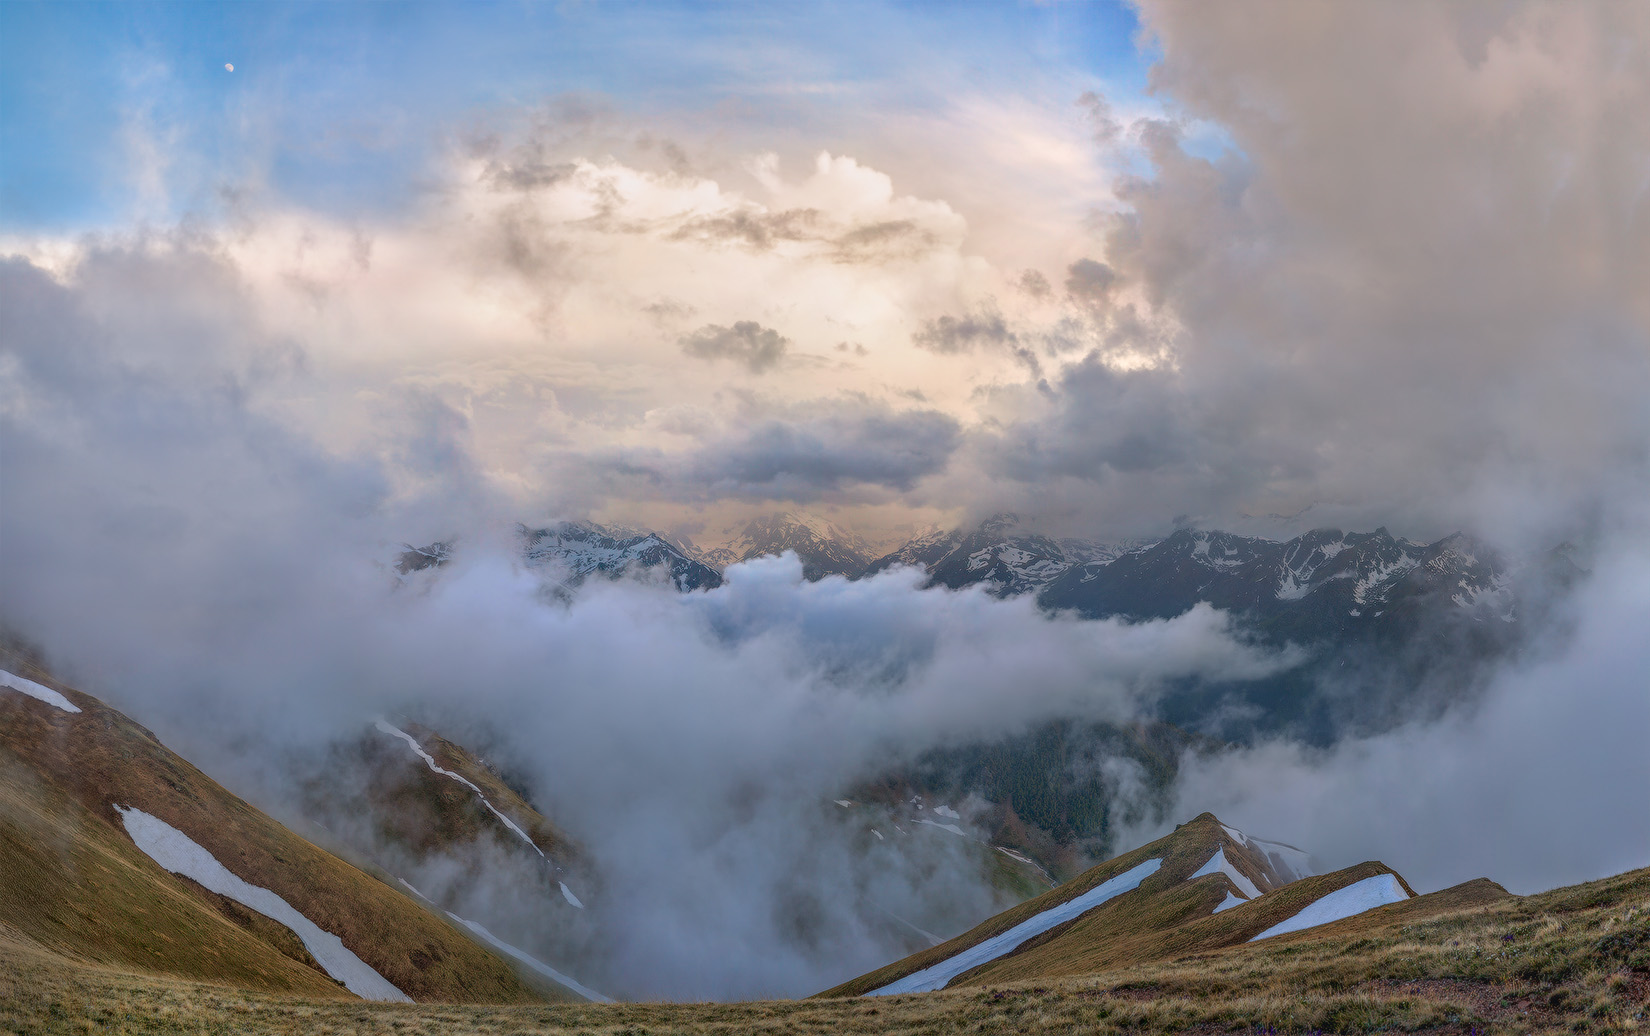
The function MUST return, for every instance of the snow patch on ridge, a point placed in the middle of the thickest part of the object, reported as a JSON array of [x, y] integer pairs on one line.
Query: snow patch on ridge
[[178, 853], [532, 962], [936, 976], [1229, 902], [1219, 864], [429, 761], [1291, 863], [1350, 901], [567, 894], [38, 691]]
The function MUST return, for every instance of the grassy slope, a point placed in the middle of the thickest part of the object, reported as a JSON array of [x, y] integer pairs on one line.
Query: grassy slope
[[1167, 916], [455, 757], [99, 756], [1163, 847], [75, 885], [1174, 922], [1571, 960]]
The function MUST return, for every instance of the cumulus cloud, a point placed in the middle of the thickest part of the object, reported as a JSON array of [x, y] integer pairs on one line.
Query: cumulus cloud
[[758, 348], [1404, 291]]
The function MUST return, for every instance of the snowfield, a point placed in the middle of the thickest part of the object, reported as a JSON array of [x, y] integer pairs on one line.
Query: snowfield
[[936, 976], [180, 854], [34, 690], [533, 962], [1356, 898]]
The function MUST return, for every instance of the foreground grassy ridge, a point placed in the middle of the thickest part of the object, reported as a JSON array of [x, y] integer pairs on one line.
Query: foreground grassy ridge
[[1181, 852], [1167, 916], [1572, 960], [1161, 925], [99, 757], [76, 885]]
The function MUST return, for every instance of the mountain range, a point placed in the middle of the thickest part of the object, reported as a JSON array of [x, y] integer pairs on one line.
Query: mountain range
[[1323, 583]]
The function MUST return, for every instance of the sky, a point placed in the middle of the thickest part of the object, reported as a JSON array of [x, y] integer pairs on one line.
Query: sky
[[896, 265], [419, 272]]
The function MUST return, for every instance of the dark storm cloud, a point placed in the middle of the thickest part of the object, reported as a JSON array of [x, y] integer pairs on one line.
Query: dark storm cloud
[[1409, 287], [758, 348]]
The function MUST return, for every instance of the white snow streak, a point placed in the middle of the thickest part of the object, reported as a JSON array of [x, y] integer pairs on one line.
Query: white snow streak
[[180, 854], [1347, 902], [429, 761], [1288, 861], [936, 976], [1219, 864], [1229, 902], [532, 962], [34, 690], [567, 894]]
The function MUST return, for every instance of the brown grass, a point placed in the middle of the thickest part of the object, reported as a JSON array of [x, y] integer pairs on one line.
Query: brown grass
[[455, 757], [1160, 924], [1575, 960], [99, 757], [71, 883], [1166, 916]]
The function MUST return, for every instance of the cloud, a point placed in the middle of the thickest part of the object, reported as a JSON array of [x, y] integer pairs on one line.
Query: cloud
[[759, 230], [1386, 289], [983, 331], [808, 457], [758, 348], [1089, 282], [952, 335]]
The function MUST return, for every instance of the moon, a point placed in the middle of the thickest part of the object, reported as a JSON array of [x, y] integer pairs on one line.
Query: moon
[[227, 67]]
